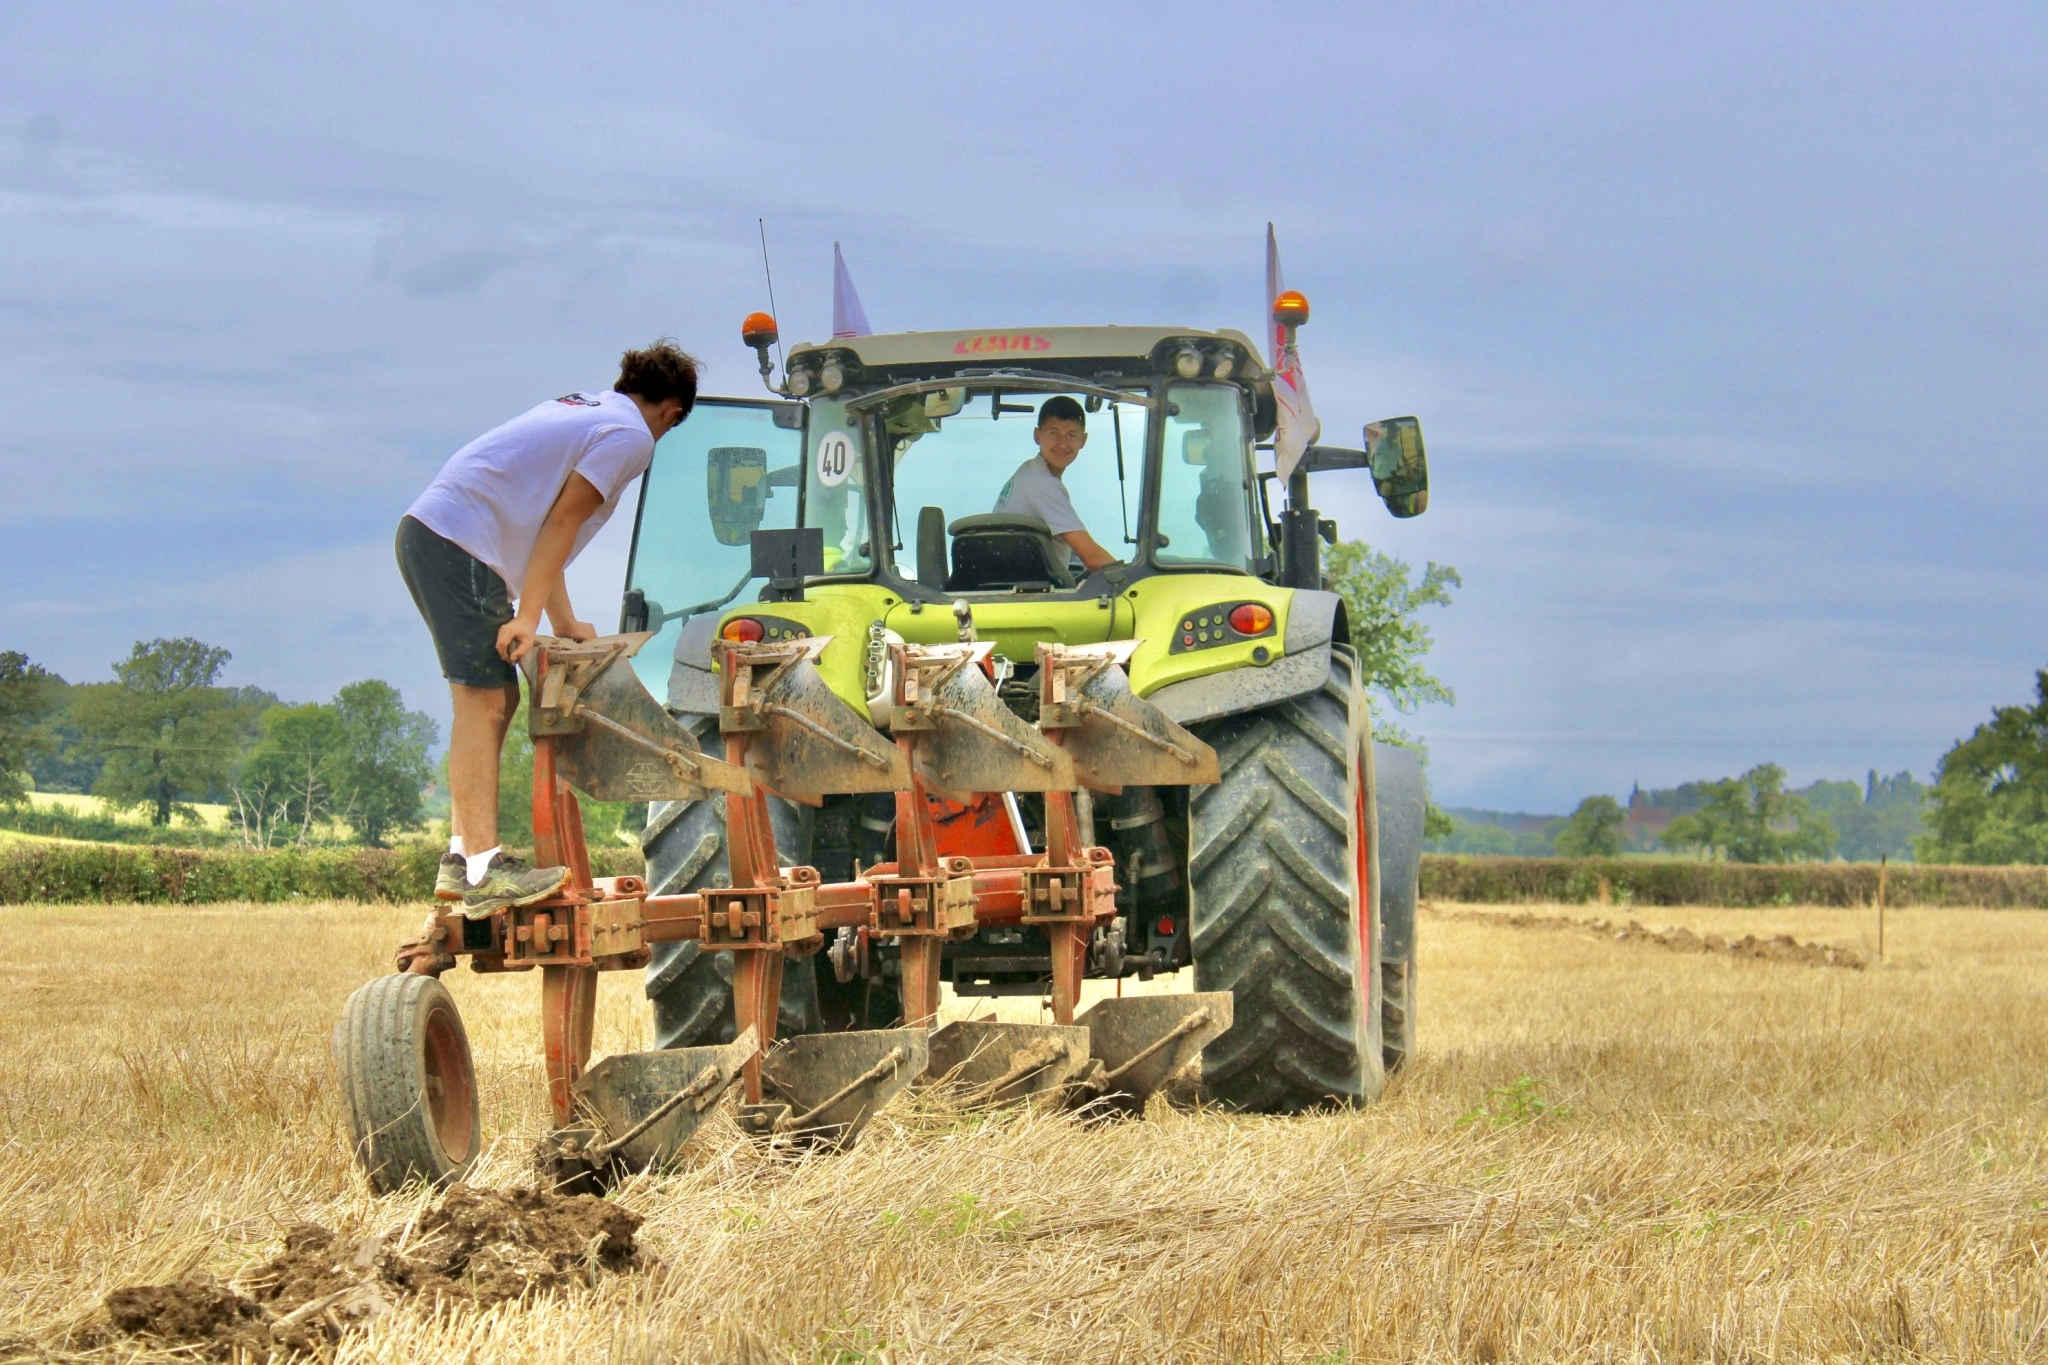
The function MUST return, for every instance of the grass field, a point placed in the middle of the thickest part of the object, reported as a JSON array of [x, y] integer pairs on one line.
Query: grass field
[[1605, 1151], [211, 816]]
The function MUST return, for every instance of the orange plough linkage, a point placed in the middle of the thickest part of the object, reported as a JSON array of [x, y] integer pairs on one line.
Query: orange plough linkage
[[785, 733]]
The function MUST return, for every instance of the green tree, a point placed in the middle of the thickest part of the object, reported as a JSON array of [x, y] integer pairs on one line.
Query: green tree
[[1879, 817], [1989, 801], [1594, 830], [27, 693], [1381, 606], [384, 759], [1382, 603], [168, 732], [292, 779], [64, 762], [515, 784], [1752, 819]]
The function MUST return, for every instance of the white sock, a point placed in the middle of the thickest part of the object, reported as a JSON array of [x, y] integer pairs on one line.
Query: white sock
[[455, 847], [479, 863]]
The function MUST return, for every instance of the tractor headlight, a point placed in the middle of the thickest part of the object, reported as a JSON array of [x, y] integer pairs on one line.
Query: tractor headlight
[[1187, 362], [799, 382], [832, 376], [1226, 364]]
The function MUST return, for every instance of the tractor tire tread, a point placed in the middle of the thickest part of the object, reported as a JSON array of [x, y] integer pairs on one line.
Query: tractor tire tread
[[1273, 922]]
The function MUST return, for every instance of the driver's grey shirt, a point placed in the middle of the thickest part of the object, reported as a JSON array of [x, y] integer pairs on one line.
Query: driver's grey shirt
[[1035, 491]]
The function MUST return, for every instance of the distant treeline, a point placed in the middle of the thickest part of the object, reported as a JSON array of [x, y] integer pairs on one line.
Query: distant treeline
[[165, 735], [1987, 805], [1856, 822]]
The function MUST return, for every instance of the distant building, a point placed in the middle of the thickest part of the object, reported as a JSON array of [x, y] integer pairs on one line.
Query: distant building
[[1644, 824]]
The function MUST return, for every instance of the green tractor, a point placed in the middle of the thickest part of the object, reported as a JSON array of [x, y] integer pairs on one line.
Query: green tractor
[[865, 494]]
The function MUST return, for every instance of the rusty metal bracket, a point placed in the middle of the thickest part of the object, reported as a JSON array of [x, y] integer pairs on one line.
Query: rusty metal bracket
[[828, 1085], [1066, 895], [801, 740], [742, 917], [642, 1107], [941, 906], [982, 1061], [612, 740], [1139, 1042], [963, 738], [1116, 739]]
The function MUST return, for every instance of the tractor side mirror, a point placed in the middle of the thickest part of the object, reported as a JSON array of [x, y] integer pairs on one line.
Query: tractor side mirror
[[1400, 468], [736, 491]]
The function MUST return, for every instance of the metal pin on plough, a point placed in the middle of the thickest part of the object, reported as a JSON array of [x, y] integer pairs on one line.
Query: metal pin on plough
[[597, 730]]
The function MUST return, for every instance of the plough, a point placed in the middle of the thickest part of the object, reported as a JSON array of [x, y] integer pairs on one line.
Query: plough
[[404, 1055]]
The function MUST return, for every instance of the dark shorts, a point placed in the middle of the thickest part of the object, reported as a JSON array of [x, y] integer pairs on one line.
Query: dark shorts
[[463, 602]]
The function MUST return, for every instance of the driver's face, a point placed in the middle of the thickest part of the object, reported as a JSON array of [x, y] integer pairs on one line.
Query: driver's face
[[1059, 441]]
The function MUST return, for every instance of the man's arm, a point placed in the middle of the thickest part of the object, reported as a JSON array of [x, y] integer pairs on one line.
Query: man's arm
[[544, 586], [1092, 555]]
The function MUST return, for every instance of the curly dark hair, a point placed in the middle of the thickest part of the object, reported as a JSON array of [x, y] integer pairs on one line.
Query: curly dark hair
[[658, 373]]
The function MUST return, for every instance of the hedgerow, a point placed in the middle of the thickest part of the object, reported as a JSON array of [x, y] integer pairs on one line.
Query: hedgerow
[[80, 872], [1684, 882], [115, 873]]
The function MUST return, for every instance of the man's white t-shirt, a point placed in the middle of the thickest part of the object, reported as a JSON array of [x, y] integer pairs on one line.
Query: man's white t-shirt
[[1035, 491], [494, 493]]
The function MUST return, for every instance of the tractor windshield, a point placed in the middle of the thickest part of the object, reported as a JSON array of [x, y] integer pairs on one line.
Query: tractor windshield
[[975, 456], [728, 471], [1206, 486]]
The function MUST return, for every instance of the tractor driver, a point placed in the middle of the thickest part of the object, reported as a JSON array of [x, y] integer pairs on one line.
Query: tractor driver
[[1036, 490], [505, 515]]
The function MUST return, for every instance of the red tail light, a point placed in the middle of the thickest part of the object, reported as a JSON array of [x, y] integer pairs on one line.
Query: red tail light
[[1251, 619], [742, 630]]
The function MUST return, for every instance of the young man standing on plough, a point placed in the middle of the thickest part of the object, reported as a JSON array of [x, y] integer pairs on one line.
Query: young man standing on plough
[[501, 520]]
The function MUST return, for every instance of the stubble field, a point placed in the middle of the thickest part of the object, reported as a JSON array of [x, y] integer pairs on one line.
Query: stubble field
[[1607, 1149]]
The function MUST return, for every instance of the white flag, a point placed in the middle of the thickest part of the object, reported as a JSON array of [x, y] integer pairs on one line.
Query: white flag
[[1299, 427], [849, 319]]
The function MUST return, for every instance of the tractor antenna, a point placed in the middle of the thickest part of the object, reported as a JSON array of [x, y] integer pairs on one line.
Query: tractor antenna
[[762, 224]]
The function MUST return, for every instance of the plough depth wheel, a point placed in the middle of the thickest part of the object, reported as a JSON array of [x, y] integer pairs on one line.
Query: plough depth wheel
[[408, 1086]]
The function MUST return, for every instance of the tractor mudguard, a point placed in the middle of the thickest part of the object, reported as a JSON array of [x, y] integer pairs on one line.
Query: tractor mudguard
[[692, 686], [1313, 623], [1401, 799]]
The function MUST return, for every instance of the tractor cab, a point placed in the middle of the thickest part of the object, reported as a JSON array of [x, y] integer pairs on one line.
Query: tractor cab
[[885, 461]]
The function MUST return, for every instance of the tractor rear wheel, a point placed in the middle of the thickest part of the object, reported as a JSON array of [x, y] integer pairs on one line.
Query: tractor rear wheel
[[692, 989], [408, 1085], [1283, 901]]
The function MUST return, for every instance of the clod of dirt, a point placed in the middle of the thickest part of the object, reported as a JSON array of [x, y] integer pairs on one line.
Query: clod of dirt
[[199, 1310], [1778, 948], [492, 1245], [475, 1246]]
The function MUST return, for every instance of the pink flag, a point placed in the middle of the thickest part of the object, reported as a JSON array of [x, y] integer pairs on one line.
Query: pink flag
[[1298, 426], [849, 319]]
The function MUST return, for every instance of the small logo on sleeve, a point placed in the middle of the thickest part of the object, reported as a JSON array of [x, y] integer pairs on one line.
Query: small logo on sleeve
[[580, 400]]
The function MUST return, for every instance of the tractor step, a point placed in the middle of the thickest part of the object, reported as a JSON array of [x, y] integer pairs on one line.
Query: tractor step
[[981, 1062], [1137, 1043], [826, 1086]]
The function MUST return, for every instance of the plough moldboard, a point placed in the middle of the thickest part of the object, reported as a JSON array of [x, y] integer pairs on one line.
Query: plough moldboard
[[596, 728]]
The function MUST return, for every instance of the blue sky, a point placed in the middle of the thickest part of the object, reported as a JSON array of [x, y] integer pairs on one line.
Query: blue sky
[[1725, 323]]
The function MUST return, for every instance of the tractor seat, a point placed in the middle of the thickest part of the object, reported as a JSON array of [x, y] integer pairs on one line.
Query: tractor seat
[[997, 550]]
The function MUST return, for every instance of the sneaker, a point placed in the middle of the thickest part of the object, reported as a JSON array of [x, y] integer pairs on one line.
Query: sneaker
[[451, 879], [507, 882]]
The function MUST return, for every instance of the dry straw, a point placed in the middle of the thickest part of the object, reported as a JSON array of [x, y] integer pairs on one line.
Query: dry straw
[[1600, 1154]]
